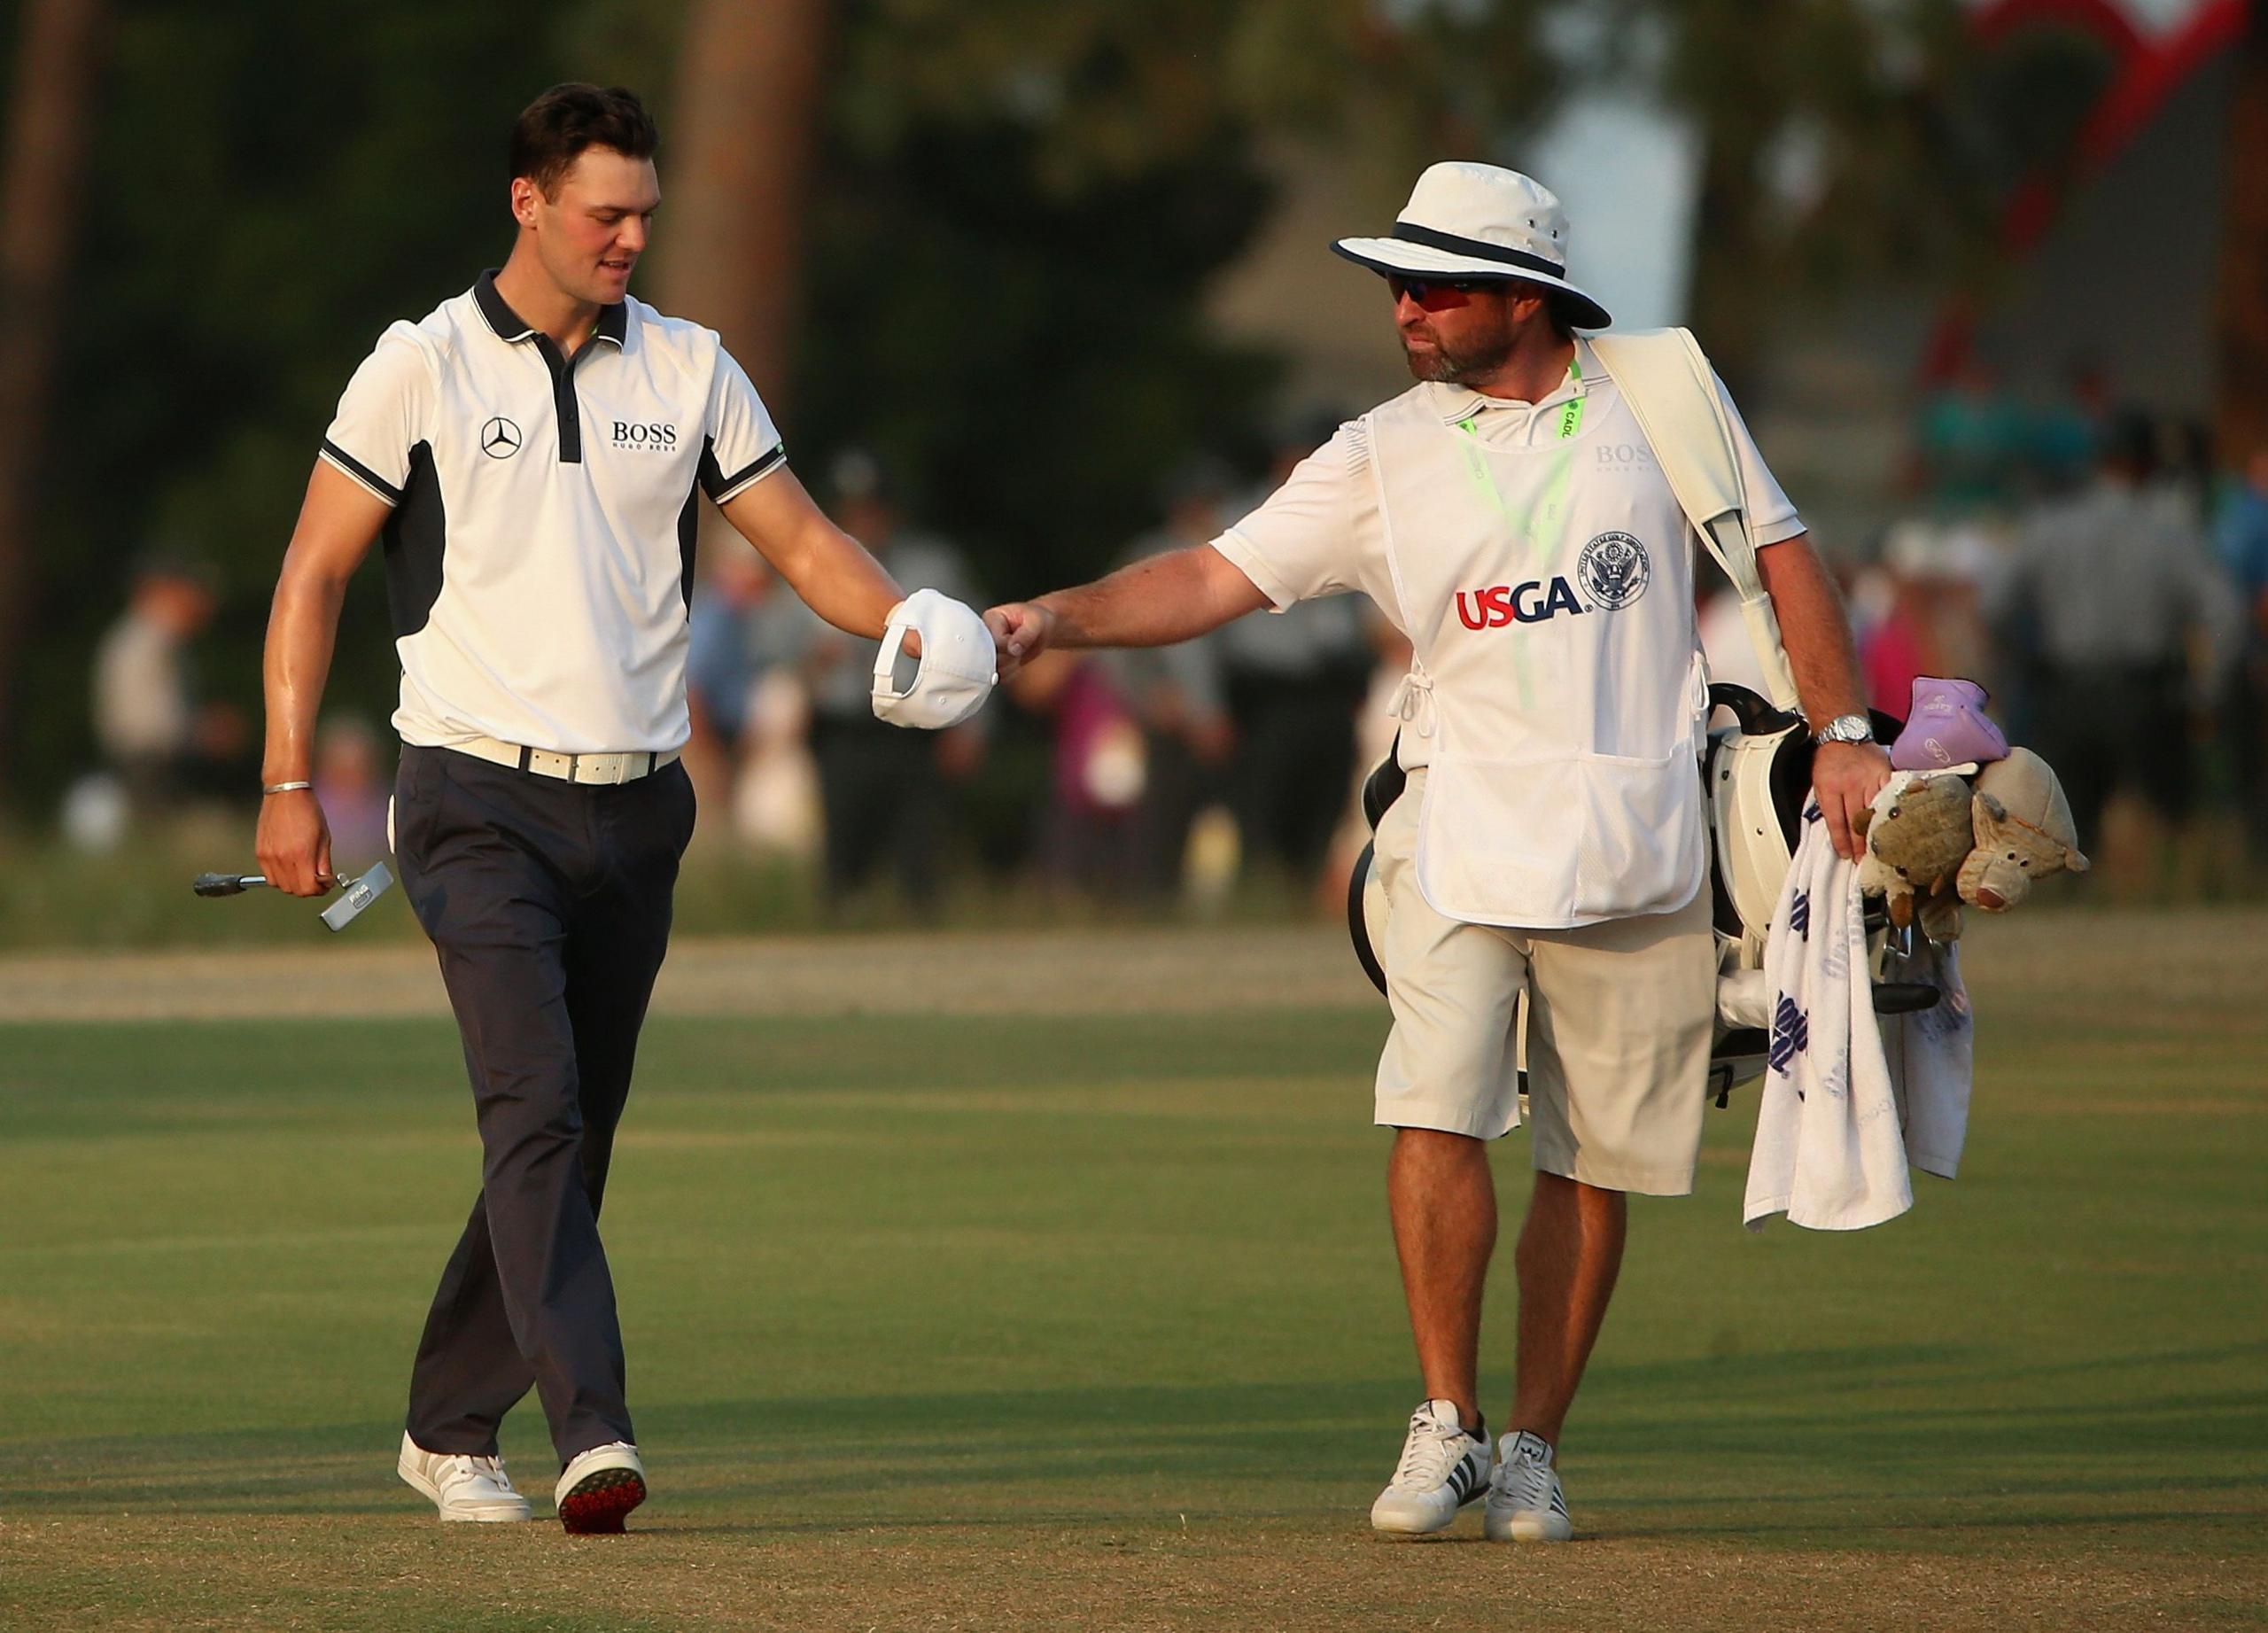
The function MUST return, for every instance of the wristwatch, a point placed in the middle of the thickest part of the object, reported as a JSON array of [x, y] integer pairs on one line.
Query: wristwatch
[[1845, 729]]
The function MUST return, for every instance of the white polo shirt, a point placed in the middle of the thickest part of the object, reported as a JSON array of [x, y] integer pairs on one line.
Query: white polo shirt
[[540, 555], [1320, 533]]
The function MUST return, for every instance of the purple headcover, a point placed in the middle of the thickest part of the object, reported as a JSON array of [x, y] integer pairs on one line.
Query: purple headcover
[[1947, 726]]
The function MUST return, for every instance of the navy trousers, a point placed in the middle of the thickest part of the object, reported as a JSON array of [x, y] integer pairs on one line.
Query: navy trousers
[[548, 903]]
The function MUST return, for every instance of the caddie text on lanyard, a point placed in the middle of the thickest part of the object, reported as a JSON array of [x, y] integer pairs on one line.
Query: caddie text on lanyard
[[1549, 597]]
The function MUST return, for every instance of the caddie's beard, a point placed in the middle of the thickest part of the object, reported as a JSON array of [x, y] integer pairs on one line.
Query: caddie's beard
[[1472, 364]]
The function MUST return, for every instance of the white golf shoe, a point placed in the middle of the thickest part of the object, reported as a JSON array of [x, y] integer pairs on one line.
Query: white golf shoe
[[461, 1488], [1525, 1502], [1444, 1466], [598, 1487]]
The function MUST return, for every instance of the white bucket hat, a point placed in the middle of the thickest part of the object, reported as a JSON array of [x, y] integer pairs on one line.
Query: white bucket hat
[[953, 676], [1468, 221]]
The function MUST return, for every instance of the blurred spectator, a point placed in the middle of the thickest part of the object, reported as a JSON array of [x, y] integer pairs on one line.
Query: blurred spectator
[[2067, 435], [1968, 439], [2182, 471], [2117, 589], [1900, 644], [1923, 597], [886, 794], [748, 754], [1376, 726], [1293, 681], [1098, 772], [1177, 693], [353, 789], [148, 722], [725, 660], [2244, 539]]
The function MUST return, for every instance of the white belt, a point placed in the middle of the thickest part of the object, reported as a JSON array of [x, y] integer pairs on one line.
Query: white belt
[[568, 768]]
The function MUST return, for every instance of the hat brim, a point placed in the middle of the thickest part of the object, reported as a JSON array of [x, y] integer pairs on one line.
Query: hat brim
[[1410, 259]]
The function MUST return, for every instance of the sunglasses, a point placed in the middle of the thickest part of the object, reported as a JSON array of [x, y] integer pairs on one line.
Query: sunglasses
[[1422, 289]]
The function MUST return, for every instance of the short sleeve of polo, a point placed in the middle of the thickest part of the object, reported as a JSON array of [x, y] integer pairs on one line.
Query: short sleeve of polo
[[1306, 538], [1772, 518], [383, 414], [744, 446]]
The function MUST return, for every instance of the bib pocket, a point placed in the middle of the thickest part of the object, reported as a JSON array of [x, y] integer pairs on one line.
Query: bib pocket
[[1549, 843], [1643, 836]]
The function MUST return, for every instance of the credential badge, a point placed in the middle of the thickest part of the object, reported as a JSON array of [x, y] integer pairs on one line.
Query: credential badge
[[1615, 569]]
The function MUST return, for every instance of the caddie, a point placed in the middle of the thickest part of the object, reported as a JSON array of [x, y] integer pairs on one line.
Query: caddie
[[533, 452], [1508, 515]]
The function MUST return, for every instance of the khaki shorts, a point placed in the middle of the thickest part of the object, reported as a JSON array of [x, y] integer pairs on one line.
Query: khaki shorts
[[1619, 1023]]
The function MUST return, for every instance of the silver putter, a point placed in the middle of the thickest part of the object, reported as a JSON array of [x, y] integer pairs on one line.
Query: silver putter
[[358, 893]]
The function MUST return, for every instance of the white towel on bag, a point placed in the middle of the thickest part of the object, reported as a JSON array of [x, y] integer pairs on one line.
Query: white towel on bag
[[1830, 1151]]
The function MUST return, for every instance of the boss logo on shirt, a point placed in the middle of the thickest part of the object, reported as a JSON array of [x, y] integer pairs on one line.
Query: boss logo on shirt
[[644, 434], [1531, 602], [1625, 457]]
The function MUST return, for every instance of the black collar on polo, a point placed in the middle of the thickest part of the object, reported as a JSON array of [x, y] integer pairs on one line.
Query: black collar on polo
[[1480, 249], [613, 323], [509, 326]]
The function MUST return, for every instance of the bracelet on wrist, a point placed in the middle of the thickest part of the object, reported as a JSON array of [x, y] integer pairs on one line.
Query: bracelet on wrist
[[266, 788]]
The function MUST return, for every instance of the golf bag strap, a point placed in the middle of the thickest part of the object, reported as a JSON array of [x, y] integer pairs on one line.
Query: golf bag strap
[[1673, 394]]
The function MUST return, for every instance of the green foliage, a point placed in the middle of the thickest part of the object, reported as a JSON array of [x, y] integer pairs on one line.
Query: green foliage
[[268, 187], [1022, 203]]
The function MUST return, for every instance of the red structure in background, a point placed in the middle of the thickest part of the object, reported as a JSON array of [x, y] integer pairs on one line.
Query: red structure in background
[[2150, 68]]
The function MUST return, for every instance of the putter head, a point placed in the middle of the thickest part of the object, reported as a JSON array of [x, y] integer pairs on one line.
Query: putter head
[[360, 894]]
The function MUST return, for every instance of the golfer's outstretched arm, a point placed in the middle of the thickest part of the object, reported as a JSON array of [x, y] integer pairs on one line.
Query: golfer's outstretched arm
[[338, 520], [1155, 603], [826, 566]]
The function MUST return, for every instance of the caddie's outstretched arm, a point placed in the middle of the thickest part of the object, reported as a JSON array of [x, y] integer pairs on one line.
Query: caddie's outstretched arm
[[339, 521], [826, 567], [1153, 602], [1816, 632]]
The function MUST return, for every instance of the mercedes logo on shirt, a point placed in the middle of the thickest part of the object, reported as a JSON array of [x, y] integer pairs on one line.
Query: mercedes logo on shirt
[[500, 438]]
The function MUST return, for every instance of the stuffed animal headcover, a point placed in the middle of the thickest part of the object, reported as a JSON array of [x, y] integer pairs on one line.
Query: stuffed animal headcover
[[2024, 832], [1918, 834]]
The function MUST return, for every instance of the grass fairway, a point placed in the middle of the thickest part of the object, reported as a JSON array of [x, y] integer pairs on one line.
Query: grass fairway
[[1087, 1318]]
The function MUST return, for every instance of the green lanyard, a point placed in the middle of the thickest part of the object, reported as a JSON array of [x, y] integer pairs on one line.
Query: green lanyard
[[1571, 415]]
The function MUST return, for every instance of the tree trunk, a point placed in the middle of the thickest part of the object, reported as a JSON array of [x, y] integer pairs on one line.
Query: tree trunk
[[2243, 414], [56, 60], [736, 171], [1730, 86]]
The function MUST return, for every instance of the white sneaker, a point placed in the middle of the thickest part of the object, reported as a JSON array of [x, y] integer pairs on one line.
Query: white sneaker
[[1444, 1466], [1525, 1502], [598, 1487], [461, 1488]]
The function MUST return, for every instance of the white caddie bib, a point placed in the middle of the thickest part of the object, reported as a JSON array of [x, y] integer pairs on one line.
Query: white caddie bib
[[1549, 593]]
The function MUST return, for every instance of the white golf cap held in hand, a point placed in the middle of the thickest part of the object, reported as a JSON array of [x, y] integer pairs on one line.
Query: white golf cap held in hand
[[953, 676]]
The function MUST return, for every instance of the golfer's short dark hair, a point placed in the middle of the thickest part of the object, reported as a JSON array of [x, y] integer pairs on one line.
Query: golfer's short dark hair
[[553, 130]]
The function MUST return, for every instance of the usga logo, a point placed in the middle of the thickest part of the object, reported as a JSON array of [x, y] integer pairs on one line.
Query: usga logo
[[640, 434], [1531, 602]]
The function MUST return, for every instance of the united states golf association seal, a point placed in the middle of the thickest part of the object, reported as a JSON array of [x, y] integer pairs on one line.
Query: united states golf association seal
[[1615, 569]]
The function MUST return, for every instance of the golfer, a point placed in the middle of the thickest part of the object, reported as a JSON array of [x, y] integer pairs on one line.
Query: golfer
[[532, 453], [1509, 517]]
